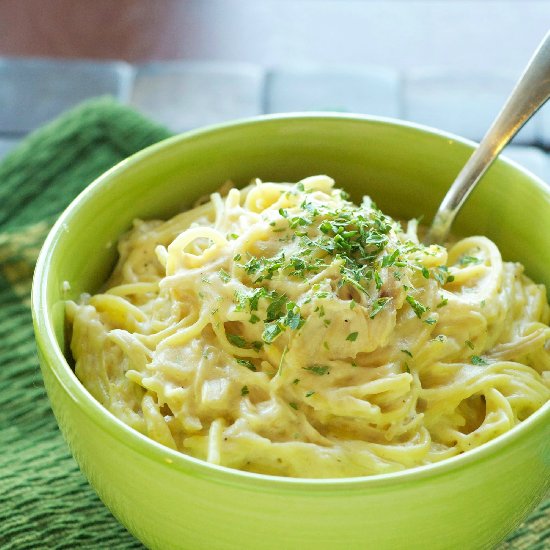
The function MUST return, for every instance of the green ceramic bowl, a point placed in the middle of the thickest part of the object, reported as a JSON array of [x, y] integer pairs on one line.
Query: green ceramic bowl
[[168, 500]]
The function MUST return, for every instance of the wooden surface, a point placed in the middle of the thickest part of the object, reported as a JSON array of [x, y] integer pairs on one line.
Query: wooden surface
[[133, 30]]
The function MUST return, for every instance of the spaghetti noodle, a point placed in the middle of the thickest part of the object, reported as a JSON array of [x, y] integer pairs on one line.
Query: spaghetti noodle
[[284, 330]]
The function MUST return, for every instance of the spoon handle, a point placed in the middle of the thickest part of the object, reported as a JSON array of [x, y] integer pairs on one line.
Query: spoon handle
[[530, 93]]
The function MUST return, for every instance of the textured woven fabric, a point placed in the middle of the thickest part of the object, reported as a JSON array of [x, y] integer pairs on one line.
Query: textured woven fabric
[[45, 502]]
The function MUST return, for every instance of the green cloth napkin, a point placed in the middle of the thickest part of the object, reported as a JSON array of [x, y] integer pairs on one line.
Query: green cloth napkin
[[45, 501]]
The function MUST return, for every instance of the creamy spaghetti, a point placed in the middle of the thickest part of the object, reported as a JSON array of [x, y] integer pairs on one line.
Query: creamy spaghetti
[[283, 330]]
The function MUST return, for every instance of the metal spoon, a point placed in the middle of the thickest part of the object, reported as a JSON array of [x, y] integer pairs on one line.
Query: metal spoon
[[528, 96]]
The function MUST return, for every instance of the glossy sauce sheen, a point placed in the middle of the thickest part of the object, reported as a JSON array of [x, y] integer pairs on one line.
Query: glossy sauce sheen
[[283, 330]]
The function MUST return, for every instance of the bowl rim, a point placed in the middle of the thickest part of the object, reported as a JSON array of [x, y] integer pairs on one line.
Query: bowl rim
[[54, 360]]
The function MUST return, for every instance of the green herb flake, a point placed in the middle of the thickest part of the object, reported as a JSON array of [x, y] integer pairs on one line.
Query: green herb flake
[[470, 344], [246, 363], [233, 236], [418, 308], [377, 280], [378, 306], [254, 299], [293, 405], [441, 275], [407, 352], [407, 369], [253, 319], [237, 257], [352, 336], [319, 370], [469, 260], [443, 302], [257, 345], [245, 391], [352, 304], [478, 361], [237, 340], [425, 273], [293, 320], [271, 332], [277, 307], [390, 258], [296, 381], [309, 393], [430, 321], [224, 276], [325, 227], [240, 299]]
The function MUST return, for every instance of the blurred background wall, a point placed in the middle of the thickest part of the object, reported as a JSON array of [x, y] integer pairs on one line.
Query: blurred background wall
[[187, 63], [458, 34]]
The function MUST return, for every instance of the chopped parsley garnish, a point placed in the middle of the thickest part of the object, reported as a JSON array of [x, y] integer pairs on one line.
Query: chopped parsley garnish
[[276, 308], [378, 306], [293, 319], [469, 260], [237, 340], [224, 276], [418, 308], [442, 276], [271, 332], [377, 280], [245, 391], [470, 344], [444, 302], [363, 247], [319, 370], [255, 298], [257, 345], [478, 361], [407, 352], [293, 405], [246, 363], [309, 393], [390, 259]]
